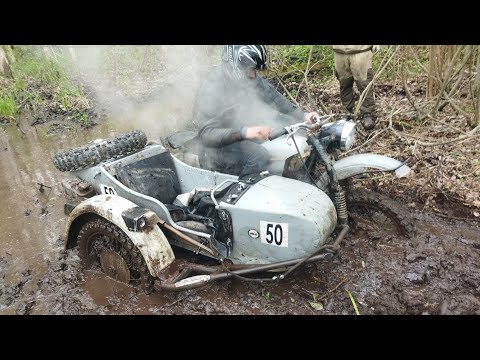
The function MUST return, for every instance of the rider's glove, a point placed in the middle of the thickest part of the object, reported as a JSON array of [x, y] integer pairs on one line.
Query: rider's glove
[[375, 48]]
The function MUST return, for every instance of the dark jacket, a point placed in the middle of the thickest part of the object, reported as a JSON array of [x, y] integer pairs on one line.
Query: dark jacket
[[222, 108]]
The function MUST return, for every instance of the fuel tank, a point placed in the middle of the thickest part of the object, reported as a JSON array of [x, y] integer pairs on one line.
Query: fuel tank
[[276, 219]]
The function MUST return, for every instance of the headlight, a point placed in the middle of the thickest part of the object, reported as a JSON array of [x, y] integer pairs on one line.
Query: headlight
[[347, 137], [341, 133]]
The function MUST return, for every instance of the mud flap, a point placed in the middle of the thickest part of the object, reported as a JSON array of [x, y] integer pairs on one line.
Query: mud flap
[[151, 242], [362, 163]]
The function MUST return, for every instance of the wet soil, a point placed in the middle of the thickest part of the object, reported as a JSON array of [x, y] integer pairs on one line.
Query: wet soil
[[436, 271]]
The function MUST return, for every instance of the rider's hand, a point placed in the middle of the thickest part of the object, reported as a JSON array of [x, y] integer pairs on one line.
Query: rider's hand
[[258, 132], [375, 48], [310, 117]]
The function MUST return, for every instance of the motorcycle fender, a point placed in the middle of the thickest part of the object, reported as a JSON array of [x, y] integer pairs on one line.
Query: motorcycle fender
[[151, 242], [362, 163]]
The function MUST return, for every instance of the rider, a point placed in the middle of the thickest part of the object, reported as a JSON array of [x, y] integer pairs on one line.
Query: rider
[[235, 111]]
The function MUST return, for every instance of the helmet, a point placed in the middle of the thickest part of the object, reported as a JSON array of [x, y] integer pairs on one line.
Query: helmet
[[238, 58]]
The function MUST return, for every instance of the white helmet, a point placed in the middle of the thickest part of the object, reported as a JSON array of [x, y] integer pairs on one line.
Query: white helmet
[[238, 58]]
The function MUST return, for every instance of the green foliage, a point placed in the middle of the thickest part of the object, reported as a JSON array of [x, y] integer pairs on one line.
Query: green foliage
[[81, 118], [292, 60], [296, 53], [266, 295], [43, 80], [8, 107], [353, 302]]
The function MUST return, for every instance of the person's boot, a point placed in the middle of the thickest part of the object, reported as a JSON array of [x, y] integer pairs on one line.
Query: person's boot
[[367, 120]]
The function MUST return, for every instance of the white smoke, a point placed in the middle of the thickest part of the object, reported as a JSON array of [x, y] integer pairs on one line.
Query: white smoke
[[144, 87]]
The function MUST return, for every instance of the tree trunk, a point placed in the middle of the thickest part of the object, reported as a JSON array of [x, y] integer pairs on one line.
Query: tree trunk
[[477, 88], [431, 64], [4, 65]]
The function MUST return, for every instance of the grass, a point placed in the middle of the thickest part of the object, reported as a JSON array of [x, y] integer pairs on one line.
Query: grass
[[353, 302], [291, 61], [8, 107], [39, 81]]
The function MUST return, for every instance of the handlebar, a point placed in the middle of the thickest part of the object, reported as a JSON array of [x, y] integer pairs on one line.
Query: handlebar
[[319, 121], [276, 133]]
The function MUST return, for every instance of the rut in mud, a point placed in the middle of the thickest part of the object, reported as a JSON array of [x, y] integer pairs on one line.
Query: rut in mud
[[434, 272]]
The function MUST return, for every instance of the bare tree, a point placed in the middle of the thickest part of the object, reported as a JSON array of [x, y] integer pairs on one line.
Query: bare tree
[[477, 89]]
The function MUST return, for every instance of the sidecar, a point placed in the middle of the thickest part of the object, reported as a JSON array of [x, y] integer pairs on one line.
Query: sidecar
[[133, 207]]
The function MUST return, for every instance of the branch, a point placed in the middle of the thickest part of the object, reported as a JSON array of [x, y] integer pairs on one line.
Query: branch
[[366, 142], [332, 290], [467, 136], [446, 79], [394, 112], [474, 130], [417, 59], [407, 90], [367, 88], [306, 77], [307, 70], [457, 108], [286, 90]]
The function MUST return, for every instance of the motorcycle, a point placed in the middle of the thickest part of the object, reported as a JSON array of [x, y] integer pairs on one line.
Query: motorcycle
[[291, 152], [132, 203]]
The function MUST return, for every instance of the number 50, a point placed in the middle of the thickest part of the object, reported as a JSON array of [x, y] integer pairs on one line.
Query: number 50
[[277, 234]]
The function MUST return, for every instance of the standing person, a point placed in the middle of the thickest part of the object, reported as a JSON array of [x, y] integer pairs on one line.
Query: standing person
[[353, 63], [235, 111]]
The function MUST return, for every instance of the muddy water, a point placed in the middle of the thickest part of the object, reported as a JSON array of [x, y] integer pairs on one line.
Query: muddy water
[[437, 271], [32, 222]]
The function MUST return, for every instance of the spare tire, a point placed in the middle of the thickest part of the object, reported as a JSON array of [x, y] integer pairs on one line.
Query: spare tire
[[100, 150]]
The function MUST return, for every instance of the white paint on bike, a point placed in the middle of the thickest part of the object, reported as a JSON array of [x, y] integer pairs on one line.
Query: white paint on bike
[[275, 234], [192, 280]]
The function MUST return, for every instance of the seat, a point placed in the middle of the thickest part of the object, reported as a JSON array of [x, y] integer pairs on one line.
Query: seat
[[154, 176]]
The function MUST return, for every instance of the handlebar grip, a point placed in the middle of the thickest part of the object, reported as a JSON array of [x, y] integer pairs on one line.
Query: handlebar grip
[[277, 133]]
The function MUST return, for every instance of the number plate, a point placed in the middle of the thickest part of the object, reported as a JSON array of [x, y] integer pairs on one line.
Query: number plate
[[275, 234], [107, 190]]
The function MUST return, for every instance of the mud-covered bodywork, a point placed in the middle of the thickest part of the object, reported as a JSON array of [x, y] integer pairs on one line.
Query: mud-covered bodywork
[[148, 202], [151, 241], [271, 218], [363, 163], [272, 225]]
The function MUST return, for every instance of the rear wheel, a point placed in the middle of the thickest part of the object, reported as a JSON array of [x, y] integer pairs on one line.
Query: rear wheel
[[379, 212], [102, 245]]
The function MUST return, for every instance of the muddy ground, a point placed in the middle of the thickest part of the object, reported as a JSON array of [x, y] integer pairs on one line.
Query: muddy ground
[[436, 271]]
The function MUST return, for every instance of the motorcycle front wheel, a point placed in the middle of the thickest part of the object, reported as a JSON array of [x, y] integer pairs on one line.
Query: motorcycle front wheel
[[379, 212]]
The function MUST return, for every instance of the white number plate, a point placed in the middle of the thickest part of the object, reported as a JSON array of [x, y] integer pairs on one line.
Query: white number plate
[[275, 234], [107, 190]]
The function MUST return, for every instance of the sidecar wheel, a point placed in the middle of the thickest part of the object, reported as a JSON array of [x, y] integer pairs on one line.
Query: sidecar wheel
[[102, 245], [96, 152], [384, 212]]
